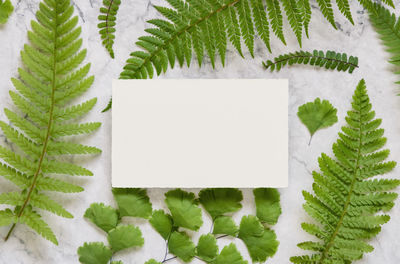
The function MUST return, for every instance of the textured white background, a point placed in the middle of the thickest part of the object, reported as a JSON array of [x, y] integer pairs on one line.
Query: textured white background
[[305, 84]]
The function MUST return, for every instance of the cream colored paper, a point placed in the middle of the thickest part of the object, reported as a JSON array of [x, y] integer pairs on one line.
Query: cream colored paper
[[200, 133]]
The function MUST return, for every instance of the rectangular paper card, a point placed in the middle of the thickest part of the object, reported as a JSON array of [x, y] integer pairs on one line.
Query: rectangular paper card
[[200, 133]]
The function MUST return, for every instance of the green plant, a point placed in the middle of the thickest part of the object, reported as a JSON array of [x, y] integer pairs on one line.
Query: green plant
[[107, 18], [6, 8], [331, 60], [186, 214], [388, 27], [45, 88], [317, 115], [347, 193], [206, 26], [119, 236]]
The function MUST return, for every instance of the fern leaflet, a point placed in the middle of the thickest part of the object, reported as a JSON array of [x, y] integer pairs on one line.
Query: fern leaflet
[[388, 27], [48, 82], [204, 27], [347, 197], [107, 23], [330, 60]]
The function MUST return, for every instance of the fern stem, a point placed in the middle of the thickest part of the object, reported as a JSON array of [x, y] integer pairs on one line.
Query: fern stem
[[48, 132], [185, 29], [312, 56], [347, 203]]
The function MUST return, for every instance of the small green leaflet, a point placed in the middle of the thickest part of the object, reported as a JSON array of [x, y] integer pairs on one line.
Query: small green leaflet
[[105, 217], [220, 201], [231, 255], [125, 236], [317, 115], [162, 223], [260, 242], [94, 253], [224, 225], [184, 209], [6, 8], [133, 202], [207, 248], [181, 246], [267, 205], [152, 261]]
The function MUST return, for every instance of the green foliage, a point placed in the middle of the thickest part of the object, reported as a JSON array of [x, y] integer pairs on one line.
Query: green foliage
[[94, 253], [184, 209], [207, 248], [346, 199], [185, 213], [231, 255], [388, 27], [162, 223], [133, 202], [50, 80], [220, 201], [317, 115], [105, 217], [125, 236], [119, 236], [181, 246], [6, 8], [261, 242], [225, 225], [205, 27], [331, 60], [107, 22], [268, 205]]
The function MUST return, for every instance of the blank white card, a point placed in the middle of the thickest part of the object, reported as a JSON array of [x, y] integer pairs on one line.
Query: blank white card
[[200, 133]]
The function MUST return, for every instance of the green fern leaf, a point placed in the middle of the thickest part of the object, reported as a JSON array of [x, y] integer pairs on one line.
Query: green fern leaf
[[107, 18], [329, 60], [275, 14], [327, 11], [230, 254], [6, 8], [294, 17], [305, 13], [387, 26], [345, 201], [51, 78]]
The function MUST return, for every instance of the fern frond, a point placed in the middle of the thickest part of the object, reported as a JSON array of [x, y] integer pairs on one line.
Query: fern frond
[[107, 23], [345, 201], [50, 79], [330, 60], [203, 27], [388, 27]]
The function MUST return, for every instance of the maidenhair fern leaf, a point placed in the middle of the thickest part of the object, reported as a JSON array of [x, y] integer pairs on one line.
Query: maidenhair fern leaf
[[329, 60], [346, 198], [388, 27], [317, 115], [48, 82], [6, 8], [107, 18]]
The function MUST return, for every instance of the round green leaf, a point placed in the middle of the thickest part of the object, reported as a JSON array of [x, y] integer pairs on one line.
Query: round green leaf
[[231, 255], [219, 201], [152, 261], [162, 223], [184, 209], [261, 243], [133, 202], [181, 246], [125, 236], [225, 225], [94, 253], [105, 217], [207, 248], [267, 205]]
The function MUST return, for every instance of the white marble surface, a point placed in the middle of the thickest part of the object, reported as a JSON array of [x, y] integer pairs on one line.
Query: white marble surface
[[305, 84]]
